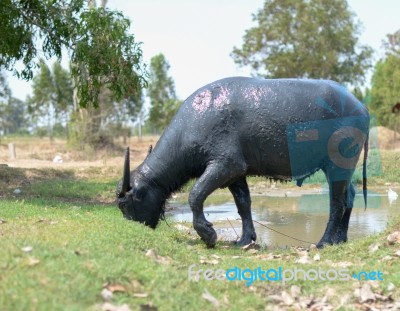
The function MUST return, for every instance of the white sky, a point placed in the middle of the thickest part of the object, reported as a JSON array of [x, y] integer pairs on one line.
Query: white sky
[[197, 36]]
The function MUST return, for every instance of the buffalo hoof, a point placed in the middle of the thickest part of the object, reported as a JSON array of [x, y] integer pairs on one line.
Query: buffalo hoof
[[211, 241], [341, 237], [247, 239], [206, 233], [322, 244]]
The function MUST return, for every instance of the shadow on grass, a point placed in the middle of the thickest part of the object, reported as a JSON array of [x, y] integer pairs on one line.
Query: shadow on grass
[[49, 184]]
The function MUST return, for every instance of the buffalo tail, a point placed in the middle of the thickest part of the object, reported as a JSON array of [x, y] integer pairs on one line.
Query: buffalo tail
[[365, 170]]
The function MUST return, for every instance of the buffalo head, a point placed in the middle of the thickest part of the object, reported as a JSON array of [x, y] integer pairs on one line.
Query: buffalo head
[[139, 198]]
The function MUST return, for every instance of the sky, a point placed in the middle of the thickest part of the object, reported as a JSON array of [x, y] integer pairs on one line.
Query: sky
[[197, 36]]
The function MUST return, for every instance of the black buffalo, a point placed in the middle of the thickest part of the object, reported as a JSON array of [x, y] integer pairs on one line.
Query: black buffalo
[[285, 129]]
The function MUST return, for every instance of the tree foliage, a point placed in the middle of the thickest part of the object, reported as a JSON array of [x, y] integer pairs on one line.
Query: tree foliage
[[12, 110], [52, 95], [102, 51], [97, 127], [161, 91], [385, 89], [5, 91], [305, 38], [12, 116]]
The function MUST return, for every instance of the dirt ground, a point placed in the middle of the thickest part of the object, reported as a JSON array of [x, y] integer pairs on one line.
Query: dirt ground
[[40, 152], [36, 153]]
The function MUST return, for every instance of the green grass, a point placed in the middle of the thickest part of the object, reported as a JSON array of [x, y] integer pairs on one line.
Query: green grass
[[80, 242]]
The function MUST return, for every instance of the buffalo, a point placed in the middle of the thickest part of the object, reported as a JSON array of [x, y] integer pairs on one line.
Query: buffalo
[[284, 129]]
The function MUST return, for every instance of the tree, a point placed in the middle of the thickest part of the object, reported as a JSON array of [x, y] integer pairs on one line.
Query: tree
[[385, 89], [305, 39], [363, 95], [5, 91], [97, 127], [161, 91], [12, 110], [52, 95], [102, 51], [12, 116]]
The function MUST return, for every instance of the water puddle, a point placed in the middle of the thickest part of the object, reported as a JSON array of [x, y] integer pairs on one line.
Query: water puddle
[[295, 214]]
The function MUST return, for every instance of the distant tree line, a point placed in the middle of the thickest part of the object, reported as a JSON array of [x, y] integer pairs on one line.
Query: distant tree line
[[385, 86], [50, 110], [320, 39]]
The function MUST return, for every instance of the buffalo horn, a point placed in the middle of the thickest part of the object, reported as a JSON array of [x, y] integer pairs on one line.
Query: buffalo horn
[[126, 182]]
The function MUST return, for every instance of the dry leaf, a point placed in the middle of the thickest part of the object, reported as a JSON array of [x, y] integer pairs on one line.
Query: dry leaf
[[366, 294], [313, 247], [210, 298], [252, 245], [115, 288], [136, 285], [209, 262], [182, 228], [330, 292], [295, 291], [236, 257], [276, 298], [106, 294], [302, 252], [394, 237], [32, 261], [110, 307], [397, 253], [321, 306], [287, 299], [27, 249], [305, 303], [151, 253], [160, 259], [304, 260], [373, 247], [344, 300], [140, 295], [317, 257], [341, 264], [390, 287], [265, 256], [252, 251], [382, 298]]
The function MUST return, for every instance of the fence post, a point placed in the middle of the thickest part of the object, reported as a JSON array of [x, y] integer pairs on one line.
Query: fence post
[[11, 151]]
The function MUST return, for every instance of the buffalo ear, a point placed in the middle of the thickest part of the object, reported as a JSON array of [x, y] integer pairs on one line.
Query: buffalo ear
[[150, 149]]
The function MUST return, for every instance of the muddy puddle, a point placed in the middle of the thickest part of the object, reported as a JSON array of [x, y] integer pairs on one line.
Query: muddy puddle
[[299, 214]]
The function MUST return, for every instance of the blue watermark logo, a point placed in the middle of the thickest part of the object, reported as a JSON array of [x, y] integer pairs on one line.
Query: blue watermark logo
[[333, 137], [249, 276], [334, 143]]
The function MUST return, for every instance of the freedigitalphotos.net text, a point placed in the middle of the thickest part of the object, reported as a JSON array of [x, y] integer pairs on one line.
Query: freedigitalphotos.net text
[[279, 275]]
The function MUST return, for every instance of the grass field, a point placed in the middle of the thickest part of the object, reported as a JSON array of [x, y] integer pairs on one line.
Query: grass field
[[65, 246]]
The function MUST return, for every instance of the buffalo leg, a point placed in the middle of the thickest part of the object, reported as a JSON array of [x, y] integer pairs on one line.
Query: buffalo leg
[[338, 198], [341, 235], [241, 194], [215, 176]]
